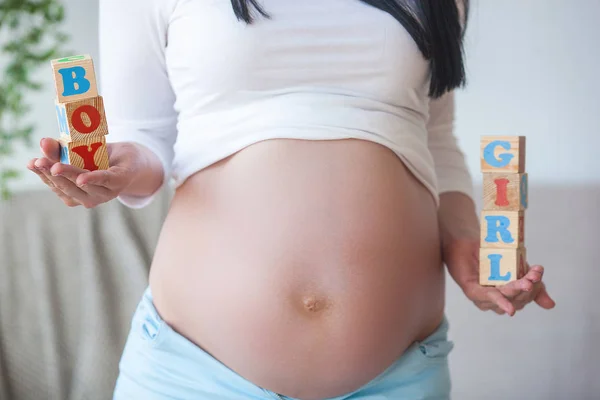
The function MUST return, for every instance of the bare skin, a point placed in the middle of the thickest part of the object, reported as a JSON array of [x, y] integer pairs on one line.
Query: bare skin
[[299, 261], [323, 260]]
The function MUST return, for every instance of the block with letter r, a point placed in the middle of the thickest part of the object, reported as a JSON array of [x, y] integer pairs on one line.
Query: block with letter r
[[74, 78], [503, 154], [502, 229]]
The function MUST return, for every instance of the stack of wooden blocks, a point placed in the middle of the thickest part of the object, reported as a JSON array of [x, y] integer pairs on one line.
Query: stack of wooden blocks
[[502, 257], [80, 111]]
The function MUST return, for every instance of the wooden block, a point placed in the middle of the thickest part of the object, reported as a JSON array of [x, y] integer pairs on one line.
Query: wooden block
[[503, 154], [506, 192], [82, 119], [74, 78], [499, 266], [90, 154], [502, 229]]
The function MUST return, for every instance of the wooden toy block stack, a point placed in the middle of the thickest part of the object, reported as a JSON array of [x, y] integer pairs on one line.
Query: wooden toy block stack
[[502, 257], [80, 111]]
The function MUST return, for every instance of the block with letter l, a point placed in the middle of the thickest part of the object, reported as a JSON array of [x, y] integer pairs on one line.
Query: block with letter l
[[498, 267], [74, 78]]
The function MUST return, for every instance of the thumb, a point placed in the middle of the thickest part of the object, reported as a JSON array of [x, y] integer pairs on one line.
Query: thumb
[[544, 300], [51, 149]]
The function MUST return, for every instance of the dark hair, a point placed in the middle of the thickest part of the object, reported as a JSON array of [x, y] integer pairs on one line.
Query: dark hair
[[434, 25]]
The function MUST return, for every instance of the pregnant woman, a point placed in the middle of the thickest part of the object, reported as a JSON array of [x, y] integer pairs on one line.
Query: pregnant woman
[[320, 189]]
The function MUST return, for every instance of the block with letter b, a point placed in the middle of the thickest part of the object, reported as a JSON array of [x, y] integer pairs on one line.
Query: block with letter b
[[502, 229], [499, 266], [503, 154], [74, 78], [506, 192], [90, 154], [82, 119]]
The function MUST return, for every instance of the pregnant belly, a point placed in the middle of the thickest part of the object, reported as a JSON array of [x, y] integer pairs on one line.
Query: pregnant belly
[[306, 267]]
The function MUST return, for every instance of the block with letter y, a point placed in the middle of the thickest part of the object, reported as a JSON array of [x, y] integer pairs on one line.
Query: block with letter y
[[90, 154]]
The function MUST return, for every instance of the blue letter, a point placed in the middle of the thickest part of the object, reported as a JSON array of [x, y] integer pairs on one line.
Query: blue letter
[[524, 189], [63, 126], [503, 159], [495, 268], [72, 76], [498, 225]]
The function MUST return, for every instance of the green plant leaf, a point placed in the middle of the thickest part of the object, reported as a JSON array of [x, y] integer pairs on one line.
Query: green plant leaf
[[33, 29]]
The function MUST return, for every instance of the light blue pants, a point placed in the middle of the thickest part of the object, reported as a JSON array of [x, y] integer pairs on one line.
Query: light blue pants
[[160, 364]]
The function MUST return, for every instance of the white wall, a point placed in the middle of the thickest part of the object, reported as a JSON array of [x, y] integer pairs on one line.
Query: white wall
[[533, 70], [82, 25]]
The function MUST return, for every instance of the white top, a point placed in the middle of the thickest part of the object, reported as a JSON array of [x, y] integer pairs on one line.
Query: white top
[[190, 82]]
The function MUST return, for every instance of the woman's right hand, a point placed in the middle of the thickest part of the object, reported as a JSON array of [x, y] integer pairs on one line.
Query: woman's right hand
[[76, 186]]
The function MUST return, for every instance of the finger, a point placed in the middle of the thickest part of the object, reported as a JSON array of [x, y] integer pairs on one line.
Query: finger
[[67, 171], [499, 311], [42, 176], [496, 297], [479, 295], [99, 194], [43, 164], [69, 202], [51, 149], [94, 192], [544, 300], [519, 305], [69, 188], [31, 166], [535, 273], [113, 178], [515, 288]]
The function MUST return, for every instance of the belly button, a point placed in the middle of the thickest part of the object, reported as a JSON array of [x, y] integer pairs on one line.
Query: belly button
[[313, 304]]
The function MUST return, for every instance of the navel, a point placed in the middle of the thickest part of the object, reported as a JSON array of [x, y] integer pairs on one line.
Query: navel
[[313, 304]]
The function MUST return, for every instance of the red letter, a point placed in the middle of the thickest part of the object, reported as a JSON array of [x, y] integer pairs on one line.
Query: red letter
[[87, 155], [93, 114], [501, 198]]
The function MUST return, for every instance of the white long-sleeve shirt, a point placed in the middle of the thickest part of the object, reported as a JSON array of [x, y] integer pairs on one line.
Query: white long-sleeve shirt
[[192, 83]]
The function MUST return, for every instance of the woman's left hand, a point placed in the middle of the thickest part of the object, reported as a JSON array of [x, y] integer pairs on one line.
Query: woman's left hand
[[462, 258], [459, 230]]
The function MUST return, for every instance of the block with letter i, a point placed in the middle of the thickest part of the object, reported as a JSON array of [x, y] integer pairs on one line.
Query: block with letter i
[[80, 112], [503, 256]]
